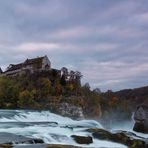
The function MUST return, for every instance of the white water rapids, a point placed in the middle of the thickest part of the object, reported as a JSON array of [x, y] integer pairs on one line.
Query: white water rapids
[[52, 128]]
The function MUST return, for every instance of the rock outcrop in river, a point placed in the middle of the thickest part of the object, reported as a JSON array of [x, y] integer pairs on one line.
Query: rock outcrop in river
[[8, 140], [141, 118]]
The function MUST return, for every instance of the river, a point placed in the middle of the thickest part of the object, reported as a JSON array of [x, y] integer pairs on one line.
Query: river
[[52, 128]]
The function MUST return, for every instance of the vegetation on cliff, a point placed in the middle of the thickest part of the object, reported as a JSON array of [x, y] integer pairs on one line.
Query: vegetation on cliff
[[42, 89], [48, 88]]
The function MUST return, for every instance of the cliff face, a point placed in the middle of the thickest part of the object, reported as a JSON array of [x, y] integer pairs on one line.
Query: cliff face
[[68, 110]]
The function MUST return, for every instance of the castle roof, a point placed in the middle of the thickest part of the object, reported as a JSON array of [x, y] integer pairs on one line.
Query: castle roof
[[13, 67], [33, 61]]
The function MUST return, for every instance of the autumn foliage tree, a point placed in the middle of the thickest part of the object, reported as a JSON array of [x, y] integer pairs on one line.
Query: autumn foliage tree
[[26, 99]]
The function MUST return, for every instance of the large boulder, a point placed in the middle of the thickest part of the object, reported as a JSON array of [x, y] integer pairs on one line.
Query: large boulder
[[141, 118], [82, 139], [119, 137]]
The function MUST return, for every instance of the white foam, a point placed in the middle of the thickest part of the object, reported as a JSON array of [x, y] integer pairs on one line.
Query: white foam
[[128, 126], [38, 124]]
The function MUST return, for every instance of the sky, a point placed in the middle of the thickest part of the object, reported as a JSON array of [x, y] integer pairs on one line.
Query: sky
[[106, 40]]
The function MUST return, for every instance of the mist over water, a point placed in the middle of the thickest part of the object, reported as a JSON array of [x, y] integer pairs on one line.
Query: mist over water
[[127, 126], [52, 128]]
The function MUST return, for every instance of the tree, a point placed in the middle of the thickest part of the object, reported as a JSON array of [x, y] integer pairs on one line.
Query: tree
[[97, 90], [78, 75], [9, 91], [64, 71], [63, 80], [25, 99], [72, 75], [44, 87], [87, 86], [58, 88]]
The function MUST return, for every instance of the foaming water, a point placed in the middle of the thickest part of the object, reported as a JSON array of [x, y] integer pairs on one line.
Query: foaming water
[[52, 128], [128, 126]]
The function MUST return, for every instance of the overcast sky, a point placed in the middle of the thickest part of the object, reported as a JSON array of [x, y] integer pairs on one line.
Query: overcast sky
[[106, 40]]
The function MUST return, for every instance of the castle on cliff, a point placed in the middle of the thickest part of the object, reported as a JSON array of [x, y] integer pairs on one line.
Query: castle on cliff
[[39, 64], [29, 65]]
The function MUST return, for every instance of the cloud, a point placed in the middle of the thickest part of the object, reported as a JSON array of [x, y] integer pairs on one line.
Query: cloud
[[106, 46], [106, 40], [142, 17], [37, 46], [112, 73]]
